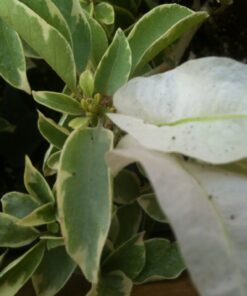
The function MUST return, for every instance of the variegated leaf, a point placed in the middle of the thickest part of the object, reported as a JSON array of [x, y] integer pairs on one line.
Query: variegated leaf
[[18, 272], [13, 235], [12, 62], [36, 184], [53, 272], [128, 257], [42, 37], [52, 132], [51, 14], [114, 68], [129, 218], [58, 102], [151, 207], [44, 214], [99, 41], [113, 284], [84, 197], [162, 26], [80, 31], [18, 204], [163, 261]]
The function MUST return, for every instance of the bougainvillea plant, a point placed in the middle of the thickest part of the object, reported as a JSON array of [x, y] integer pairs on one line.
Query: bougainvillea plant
[[134, 155]]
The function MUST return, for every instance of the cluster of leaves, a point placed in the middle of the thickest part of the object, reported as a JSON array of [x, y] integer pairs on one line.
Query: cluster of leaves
[[82, 219]]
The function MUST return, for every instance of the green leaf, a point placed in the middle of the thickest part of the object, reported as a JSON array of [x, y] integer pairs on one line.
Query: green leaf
[[46, 169], [128, 4], [99, 41], [129, 257], [53, 242], [18, 204], [43, 38], [79, 122], [163, 261], [12, 59], [36, 184], [84, 197], [80, 31], [151, 207], [87, 83], [113, 284], [206, 206], [181, 111], [114, 68], [45, 214], [129, 218], [54, 271], [58, 102], [87, 7], [18, 272], [53, 160], [104, 13], [51, 14], [126, 187], [29, 52], [5, 126], [2, 256], [162, 26], [52, 132], [13, 235]]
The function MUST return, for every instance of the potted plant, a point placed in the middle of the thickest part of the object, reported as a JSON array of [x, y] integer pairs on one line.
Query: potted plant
[[145, 173]]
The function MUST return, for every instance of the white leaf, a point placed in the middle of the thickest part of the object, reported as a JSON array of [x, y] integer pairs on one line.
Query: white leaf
[[207, 209], [198, 109]]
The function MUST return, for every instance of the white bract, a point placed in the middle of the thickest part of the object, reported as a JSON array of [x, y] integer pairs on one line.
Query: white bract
[[198, 109]]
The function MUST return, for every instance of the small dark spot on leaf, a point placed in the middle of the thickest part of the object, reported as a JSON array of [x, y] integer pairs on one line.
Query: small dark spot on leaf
[[173, 138], [210, 197], [73, 173], [232, 217]]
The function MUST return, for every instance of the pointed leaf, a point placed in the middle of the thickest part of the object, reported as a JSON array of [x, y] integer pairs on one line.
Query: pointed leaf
[[13, 235], [18, 272], [54, 271], [43, 38], [206, 207], [51, 14], [5, 126], [113, 284], [129, 218], [52, 132], [12, 61], [18, 204], [53, 160], [114, 68], [99, 41], [84, 208], [162, 26], [36, 184], [54, 242], [45, 214], [151, 207], [58, 102], [126, 187], [163, 261], [129, 257], [80, 30]]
